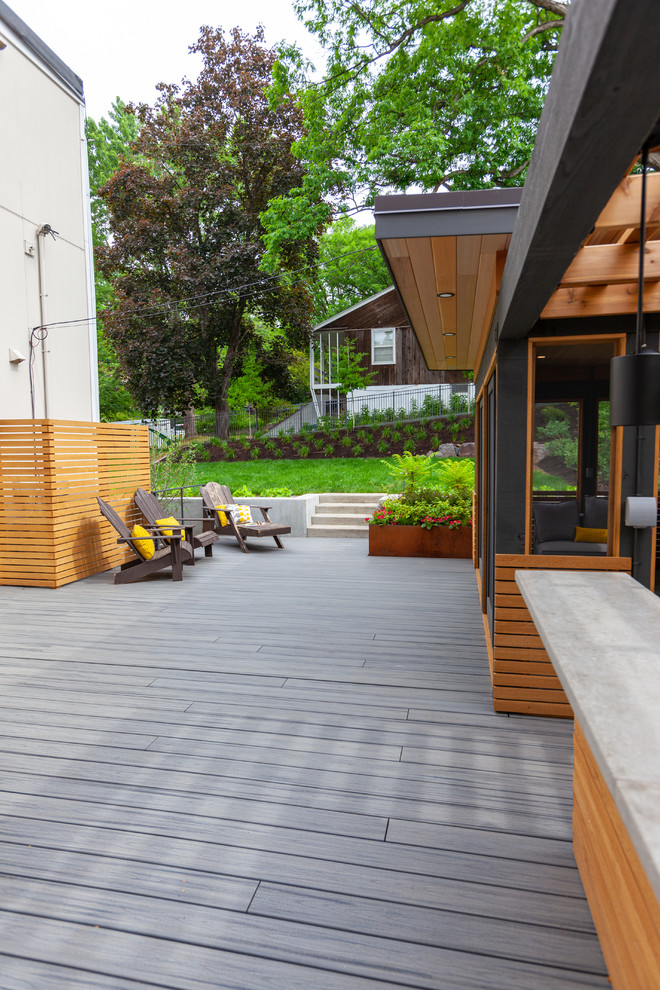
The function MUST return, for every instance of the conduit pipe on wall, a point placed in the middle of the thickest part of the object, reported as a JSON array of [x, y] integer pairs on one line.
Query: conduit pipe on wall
[[43, 296]]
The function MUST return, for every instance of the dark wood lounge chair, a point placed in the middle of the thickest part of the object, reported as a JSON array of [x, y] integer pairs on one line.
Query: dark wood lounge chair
[[152, 510], [214, 494], [174, 555]]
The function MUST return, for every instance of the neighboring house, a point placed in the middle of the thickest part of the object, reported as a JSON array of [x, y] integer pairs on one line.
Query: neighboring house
[[46, 266], [382, 334]]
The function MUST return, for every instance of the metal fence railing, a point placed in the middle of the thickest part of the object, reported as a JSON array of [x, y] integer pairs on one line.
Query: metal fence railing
[[357, 409]]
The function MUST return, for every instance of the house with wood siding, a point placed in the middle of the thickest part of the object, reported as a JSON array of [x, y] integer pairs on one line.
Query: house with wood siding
[[380, 330]]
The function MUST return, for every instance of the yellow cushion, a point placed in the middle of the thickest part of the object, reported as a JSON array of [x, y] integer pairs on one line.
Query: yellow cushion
[[222, 515], [170, 521], [584, 534], [143, 544]]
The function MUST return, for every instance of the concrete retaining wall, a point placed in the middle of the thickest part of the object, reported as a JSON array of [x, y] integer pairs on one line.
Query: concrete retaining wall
[[295, 512]]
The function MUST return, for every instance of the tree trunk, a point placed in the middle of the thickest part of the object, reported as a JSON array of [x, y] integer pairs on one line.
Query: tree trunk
[[222, 392], [189, 425]]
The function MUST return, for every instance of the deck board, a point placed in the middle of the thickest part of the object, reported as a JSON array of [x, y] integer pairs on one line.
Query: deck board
[[283, 772]]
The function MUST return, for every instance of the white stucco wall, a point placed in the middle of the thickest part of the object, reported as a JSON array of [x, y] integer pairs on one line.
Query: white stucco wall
[[43, 180]]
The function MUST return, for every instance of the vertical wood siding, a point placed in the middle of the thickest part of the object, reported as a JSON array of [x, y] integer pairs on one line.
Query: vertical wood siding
[[51, 530]]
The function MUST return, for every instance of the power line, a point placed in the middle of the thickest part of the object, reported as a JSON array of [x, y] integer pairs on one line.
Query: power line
[[183, 304]]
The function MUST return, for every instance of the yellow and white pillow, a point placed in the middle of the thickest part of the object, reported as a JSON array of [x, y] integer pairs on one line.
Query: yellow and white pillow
[[242, 514]]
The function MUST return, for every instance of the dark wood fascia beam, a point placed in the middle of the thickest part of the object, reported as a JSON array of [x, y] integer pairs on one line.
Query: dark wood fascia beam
[[602, 104]]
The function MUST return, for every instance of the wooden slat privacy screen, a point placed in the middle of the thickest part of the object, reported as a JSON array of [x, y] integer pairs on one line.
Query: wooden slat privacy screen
[[51, 530]]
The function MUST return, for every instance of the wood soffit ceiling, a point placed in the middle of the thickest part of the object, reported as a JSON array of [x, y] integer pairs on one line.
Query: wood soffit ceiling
[[601, 280], [452, 332]]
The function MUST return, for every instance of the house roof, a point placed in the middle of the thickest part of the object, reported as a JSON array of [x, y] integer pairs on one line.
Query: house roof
[[42, 52], [447, 243], [572, 247], [383, 309]]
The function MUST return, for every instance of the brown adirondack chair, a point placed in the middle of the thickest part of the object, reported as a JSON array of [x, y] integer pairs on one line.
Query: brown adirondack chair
[[174, 555], [214, 494], [152, 511]]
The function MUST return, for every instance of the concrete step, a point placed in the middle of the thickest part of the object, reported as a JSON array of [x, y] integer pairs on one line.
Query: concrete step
[[354, 532], [345, 508], [348, 519], [370, 497]]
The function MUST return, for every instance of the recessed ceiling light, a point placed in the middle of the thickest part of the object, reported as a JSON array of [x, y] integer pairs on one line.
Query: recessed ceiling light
[[445, 295], [448, 333], [541, 357]]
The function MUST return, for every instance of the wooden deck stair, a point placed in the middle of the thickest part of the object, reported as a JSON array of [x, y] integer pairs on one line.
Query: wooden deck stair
[[343, 515]]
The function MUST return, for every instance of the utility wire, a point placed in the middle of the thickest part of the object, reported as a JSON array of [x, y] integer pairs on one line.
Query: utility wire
[[183, 304]]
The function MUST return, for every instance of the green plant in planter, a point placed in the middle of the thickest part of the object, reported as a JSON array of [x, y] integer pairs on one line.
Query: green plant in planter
[[346, 441], [279, 453], [409, 469], [383, 446], [270, 445], [254, 454], [456, 473], [427, 507], [395, 436], [356, 449], [328, 450], [303, 450]]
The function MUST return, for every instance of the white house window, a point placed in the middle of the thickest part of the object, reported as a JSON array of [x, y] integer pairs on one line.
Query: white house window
[[383, 346]]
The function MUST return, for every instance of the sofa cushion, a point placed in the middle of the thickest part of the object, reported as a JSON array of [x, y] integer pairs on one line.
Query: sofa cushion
[[555, 520], [569, 548], [595, 512]]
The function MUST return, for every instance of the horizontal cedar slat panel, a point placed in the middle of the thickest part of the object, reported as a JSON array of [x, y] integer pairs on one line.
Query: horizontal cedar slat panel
[[522, 671], [51, 530], [543, 709]]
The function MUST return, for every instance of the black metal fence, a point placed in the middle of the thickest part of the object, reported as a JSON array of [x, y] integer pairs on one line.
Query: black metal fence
[[366, 409]]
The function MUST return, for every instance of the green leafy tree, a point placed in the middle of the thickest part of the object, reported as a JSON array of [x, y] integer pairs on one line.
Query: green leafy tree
[[351, 268], [108, 146], [187, 237], [417, 93], [351, 373]]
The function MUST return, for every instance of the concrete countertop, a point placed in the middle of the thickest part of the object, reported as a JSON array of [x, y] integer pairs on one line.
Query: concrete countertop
[[602, 633]]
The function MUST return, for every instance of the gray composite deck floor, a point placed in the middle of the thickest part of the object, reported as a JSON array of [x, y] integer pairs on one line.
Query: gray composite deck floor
[[283, 772]]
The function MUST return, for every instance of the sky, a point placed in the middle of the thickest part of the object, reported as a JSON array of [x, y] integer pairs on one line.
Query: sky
[[124, 47]]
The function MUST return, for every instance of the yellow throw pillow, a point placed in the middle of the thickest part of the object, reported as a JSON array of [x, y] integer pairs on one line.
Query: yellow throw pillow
[[170, 521], [584, 534], [222, 515], [143, 544]]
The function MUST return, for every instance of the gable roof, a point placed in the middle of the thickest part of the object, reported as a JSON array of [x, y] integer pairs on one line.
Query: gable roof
[[383, 309]]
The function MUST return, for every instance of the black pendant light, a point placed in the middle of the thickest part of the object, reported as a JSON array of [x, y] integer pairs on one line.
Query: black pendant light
[[635, 378]]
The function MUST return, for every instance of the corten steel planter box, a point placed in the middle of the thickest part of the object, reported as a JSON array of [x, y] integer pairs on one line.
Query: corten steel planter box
[[415, 541]]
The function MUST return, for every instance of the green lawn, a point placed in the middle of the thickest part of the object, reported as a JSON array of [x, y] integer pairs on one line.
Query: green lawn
[[544, 482], [342, 474]]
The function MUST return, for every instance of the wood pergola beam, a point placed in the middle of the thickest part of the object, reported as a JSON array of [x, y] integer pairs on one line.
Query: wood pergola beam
[[596, 116], [600, 300], [612, 264], [623, 208]]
